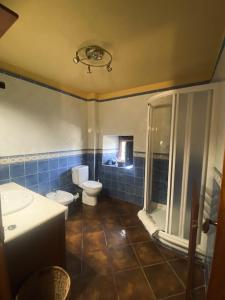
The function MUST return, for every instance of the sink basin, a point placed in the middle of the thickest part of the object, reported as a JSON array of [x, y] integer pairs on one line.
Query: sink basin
[[13, 201]]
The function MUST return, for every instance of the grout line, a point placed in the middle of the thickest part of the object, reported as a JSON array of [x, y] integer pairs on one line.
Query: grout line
[[199, 287], [127, 270], [82, 247], [154, 264], [140, 266], [171, 296], [111, 266], [179, 255], [143, 272], [180, 294], [177, 276]]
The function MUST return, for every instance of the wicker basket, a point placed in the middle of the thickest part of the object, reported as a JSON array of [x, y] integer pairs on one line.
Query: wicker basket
[[51, 283]]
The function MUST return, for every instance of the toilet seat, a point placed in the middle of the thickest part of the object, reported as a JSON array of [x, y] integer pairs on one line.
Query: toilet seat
[[61, 197], [92, 187], [91, 184]]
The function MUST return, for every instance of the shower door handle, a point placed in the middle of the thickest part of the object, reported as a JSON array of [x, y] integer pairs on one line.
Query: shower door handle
[[207, 223]]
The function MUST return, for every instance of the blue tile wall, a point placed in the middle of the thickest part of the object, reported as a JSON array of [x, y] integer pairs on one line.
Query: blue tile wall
[[44, 175], [43, 165], [122, 183], [31, 167], [160, 180], [17, 170], [89, 159], [47, 175], [4, 172]]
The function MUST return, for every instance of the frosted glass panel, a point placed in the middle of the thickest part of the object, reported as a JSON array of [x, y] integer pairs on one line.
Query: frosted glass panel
[[160, 154], [171, 174], [161, 129], [178, 176], [197, 143], [159, 147]]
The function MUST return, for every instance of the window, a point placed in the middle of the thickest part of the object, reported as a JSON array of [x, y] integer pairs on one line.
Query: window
[[125, 150], [118, 151]]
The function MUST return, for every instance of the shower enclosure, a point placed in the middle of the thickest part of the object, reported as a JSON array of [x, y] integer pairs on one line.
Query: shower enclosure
[[176, 157]]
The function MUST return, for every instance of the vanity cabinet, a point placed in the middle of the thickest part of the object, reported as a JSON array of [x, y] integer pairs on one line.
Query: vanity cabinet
[[38, 248]]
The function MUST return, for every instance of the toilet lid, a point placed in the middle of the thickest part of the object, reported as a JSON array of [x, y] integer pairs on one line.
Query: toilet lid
[[92, 184]]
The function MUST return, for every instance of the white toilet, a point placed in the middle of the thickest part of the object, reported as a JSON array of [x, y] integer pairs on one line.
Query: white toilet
[[90, 188]]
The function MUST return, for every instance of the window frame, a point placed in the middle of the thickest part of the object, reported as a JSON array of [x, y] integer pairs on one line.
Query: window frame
[[121, 140]]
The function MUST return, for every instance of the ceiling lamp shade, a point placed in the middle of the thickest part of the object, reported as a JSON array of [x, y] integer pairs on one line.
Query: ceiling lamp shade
[[93, 57], [7, 18]]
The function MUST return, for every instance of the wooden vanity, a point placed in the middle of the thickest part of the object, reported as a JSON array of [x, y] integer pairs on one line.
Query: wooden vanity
[[39, 240]]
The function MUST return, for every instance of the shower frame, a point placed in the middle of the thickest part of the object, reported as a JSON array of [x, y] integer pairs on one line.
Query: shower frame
[[176, 241]]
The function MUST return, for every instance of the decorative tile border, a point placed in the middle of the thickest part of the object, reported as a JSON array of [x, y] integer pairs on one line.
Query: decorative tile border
[[95, 151], [139, 154], [161, 156], [44, 172], [39, 156]]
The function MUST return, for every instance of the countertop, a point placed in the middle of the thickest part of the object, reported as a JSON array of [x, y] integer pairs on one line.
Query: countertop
[[37, 213]]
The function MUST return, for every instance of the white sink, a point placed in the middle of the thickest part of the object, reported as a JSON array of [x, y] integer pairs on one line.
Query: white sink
[[14, 200]]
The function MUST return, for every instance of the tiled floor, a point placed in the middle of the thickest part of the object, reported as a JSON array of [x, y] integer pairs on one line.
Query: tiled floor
[[111, 256]]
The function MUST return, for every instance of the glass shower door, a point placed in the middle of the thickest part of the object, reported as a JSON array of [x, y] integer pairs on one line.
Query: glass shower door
[[192, 122], [160, 128]]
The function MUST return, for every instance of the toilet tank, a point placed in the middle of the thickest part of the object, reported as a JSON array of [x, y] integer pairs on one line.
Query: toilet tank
[[80, 174]]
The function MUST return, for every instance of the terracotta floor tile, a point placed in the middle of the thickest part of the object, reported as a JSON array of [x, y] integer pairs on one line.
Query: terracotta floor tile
[[74, 226], [96, 262], [124, 208], [116, 237], [198, 294], [132, 285], [106, 209], [112, 223], [75, 212], [106, 203], [108, 238], [73, 264], [112, 226], [113, 219], [178, 297], [123, 258], [89, 211], [168, 254], [137, 234], [180, 267], [130, 220], [148, 253], [94, 241], [163, 280], [93, 288], [74, 242], [91, 225]]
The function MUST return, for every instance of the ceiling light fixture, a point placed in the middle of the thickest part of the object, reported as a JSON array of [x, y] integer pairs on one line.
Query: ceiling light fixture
[[93, 57]]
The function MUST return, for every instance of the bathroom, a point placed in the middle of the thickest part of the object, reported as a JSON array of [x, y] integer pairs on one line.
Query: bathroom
[[55, 117]]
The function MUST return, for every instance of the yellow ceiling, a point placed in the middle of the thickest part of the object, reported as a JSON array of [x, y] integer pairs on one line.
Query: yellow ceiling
[[155, 44]]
